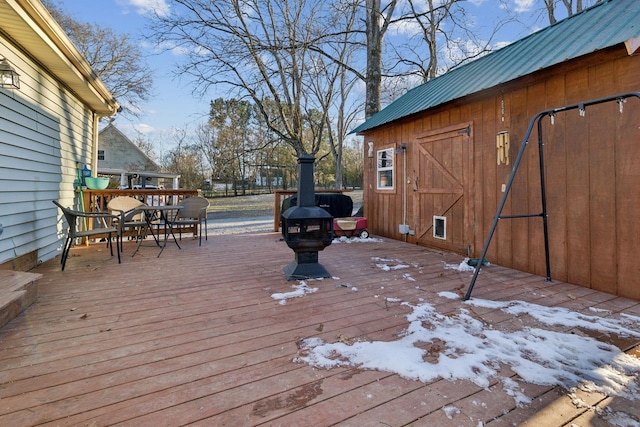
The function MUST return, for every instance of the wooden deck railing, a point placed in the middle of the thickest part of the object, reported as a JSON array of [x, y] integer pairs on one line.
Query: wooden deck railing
[[96, 200]]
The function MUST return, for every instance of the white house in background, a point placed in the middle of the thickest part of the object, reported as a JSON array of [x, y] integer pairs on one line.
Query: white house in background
[[119, 157], [47, 127], [116, 151]]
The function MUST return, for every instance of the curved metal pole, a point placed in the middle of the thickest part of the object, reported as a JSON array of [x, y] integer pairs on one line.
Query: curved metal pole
[[497, 217]]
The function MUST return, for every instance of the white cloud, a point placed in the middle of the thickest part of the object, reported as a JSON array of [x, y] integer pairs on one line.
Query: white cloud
[[134, 130], [500, 45], [144, 7], [145, 129], [523, 5], [407, 28]]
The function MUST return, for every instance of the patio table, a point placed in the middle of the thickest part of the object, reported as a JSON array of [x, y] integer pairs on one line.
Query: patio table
[[160, 216]]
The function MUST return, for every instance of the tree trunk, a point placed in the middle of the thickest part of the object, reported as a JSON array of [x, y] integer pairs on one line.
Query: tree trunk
[[339, 185], [374, 58]]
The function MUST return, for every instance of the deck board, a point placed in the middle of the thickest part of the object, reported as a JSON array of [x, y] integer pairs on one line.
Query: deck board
[[194, 337]]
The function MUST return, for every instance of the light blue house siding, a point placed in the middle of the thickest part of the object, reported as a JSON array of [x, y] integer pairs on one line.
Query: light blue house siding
[[47, 126]]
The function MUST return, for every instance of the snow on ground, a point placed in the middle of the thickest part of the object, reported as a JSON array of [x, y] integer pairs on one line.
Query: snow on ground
[[475, 350], [387, 264], [463, 266], [470, 349], [345, 239], [301, 290]]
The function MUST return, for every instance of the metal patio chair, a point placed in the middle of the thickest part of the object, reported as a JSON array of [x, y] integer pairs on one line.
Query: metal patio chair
[[128, 217], [77, 222], [193, 213]]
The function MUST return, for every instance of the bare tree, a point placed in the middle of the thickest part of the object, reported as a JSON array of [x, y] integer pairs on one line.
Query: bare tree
[[353, 163], [553, 10], [144, 145], [297, 60], [333, 83], [227, 145], [185, 159], [551, 6], [275, 161], [255, 48], [115, 58], [445, 30], [346, 114], [377, 22]]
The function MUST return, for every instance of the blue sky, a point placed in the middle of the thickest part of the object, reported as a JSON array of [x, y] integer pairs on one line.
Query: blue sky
[[173, 106]]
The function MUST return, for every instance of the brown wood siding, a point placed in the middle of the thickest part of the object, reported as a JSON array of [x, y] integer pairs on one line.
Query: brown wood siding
[[627, 184], [491, 175], [577, 213], [536, 102], [627, 205], [591, 171], [519, 195], [556, 163]]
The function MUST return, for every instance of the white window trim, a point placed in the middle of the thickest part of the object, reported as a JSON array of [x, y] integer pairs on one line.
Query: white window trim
[[388, 170]]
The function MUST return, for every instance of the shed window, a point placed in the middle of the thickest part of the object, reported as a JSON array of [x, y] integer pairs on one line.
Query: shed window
[[100, 154], [385, 169]]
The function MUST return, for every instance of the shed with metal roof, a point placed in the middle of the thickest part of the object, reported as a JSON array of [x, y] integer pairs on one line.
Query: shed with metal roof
[[601, 26], [438, 158]]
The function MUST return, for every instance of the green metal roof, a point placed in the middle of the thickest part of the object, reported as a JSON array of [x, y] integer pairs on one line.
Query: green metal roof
[[598, 27]]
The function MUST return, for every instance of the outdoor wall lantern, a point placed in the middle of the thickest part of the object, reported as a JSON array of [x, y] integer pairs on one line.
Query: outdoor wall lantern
[[8, 76]]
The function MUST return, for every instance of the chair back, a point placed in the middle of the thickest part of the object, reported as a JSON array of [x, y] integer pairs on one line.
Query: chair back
[[194, 207], [70, 216], [125, 205], [96, 225]]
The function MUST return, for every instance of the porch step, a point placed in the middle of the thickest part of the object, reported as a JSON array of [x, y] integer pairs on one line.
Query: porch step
[[18, 290]]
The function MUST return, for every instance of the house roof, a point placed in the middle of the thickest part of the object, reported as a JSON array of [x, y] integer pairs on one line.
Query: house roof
[[603, 25], [30, 26], [111, 128]]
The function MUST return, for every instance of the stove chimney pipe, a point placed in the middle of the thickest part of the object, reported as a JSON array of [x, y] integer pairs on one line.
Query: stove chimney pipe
[[306, 187]]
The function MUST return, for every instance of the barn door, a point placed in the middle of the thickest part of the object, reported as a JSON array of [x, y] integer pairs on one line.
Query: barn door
[[441, 185]]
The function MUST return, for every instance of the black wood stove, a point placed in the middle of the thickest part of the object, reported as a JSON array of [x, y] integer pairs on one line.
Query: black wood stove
[[306, 228]]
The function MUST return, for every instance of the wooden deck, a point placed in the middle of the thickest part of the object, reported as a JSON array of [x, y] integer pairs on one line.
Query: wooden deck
[[194, 337]]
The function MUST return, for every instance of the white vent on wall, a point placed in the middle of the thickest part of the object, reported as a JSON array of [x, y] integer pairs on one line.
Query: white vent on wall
[[440, 227]]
